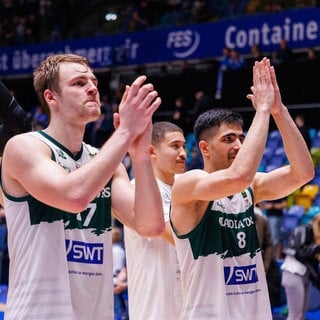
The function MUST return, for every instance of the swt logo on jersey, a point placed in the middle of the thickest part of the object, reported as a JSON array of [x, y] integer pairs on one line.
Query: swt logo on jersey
[[83, 252], [240, 275]]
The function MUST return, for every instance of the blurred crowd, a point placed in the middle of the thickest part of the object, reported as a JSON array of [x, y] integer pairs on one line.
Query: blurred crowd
[[36, 21]]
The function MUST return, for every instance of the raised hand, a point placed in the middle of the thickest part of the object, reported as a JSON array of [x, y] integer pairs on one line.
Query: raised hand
[[278, 101], [137, 106], [263, 87]]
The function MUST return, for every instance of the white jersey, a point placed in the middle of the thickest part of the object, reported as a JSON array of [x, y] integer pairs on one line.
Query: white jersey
[[222, 271], [60, 262], [154, 286]]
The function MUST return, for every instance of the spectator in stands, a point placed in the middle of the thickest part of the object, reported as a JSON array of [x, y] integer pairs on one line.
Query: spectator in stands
[[283, 55], [173, 15], [180, 115], [194, 160], [271, 266], [235, 61], [222, 68], [256, 55], [203, 102], [300, 266], [4, 256], [119, 263], [139, 17], [200, 12], [300, 121], [20, 29], [121, 288], [232, 78], [274, 212], [312, 55], [39, 118], [102, 129]]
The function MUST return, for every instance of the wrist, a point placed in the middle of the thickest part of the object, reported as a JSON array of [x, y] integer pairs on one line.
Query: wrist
[[278, 109], [124, 135], [263, 109], [140, 155]]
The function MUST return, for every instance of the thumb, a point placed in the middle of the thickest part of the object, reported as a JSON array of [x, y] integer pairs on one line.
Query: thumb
[[251, 98], [116, 120]]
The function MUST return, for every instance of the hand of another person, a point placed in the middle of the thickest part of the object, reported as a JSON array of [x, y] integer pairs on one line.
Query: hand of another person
[[119, 287]]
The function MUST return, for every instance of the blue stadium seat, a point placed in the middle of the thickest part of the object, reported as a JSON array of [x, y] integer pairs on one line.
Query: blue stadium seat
[[268, 153], [316, 180], [275, 134], [280, 152], [276, 161], [315, 143], [291, 218], [271, 167]]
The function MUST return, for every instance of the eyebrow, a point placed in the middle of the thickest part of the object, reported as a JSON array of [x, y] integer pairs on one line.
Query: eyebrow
[[232, 134], [83, 77]]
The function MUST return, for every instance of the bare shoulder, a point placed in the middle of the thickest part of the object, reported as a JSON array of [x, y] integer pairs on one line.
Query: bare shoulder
[[24, 139], [23, 152], [22, 146], [23, 157]]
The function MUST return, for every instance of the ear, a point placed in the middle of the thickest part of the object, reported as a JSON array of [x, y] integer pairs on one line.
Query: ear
[[152, 151], [49, 96], [204, 148]]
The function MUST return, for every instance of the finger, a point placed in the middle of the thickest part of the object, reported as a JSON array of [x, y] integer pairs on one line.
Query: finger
[[135, 86], [154, 106], [145, 91], [266, 78], [116, 120], [250, 96], [125, 95], [274, 78], [147, 100], [257, 73], [267, 61]]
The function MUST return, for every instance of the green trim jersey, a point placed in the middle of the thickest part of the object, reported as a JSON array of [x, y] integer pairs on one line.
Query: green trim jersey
[[154, 284], [221, 265], [60, 262]]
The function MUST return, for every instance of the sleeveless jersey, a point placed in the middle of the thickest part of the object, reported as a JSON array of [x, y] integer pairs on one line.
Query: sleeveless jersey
[[222, 271], [60, 262], [154, 284]]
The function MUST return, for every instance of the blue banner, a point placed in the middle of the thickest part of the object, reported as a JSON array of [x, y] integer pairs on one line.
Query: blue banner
[[300, 27]]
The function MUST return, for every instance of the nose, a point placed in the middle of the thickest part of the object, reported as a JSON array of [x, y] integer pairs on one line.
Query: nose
[[183, 152], [237, 144], [92, 87]]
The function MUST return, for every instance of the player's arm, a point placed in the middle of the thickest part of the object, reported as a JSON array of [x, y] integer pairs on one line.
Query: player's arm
[[285, 180], [139, 207], [13, 117]]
